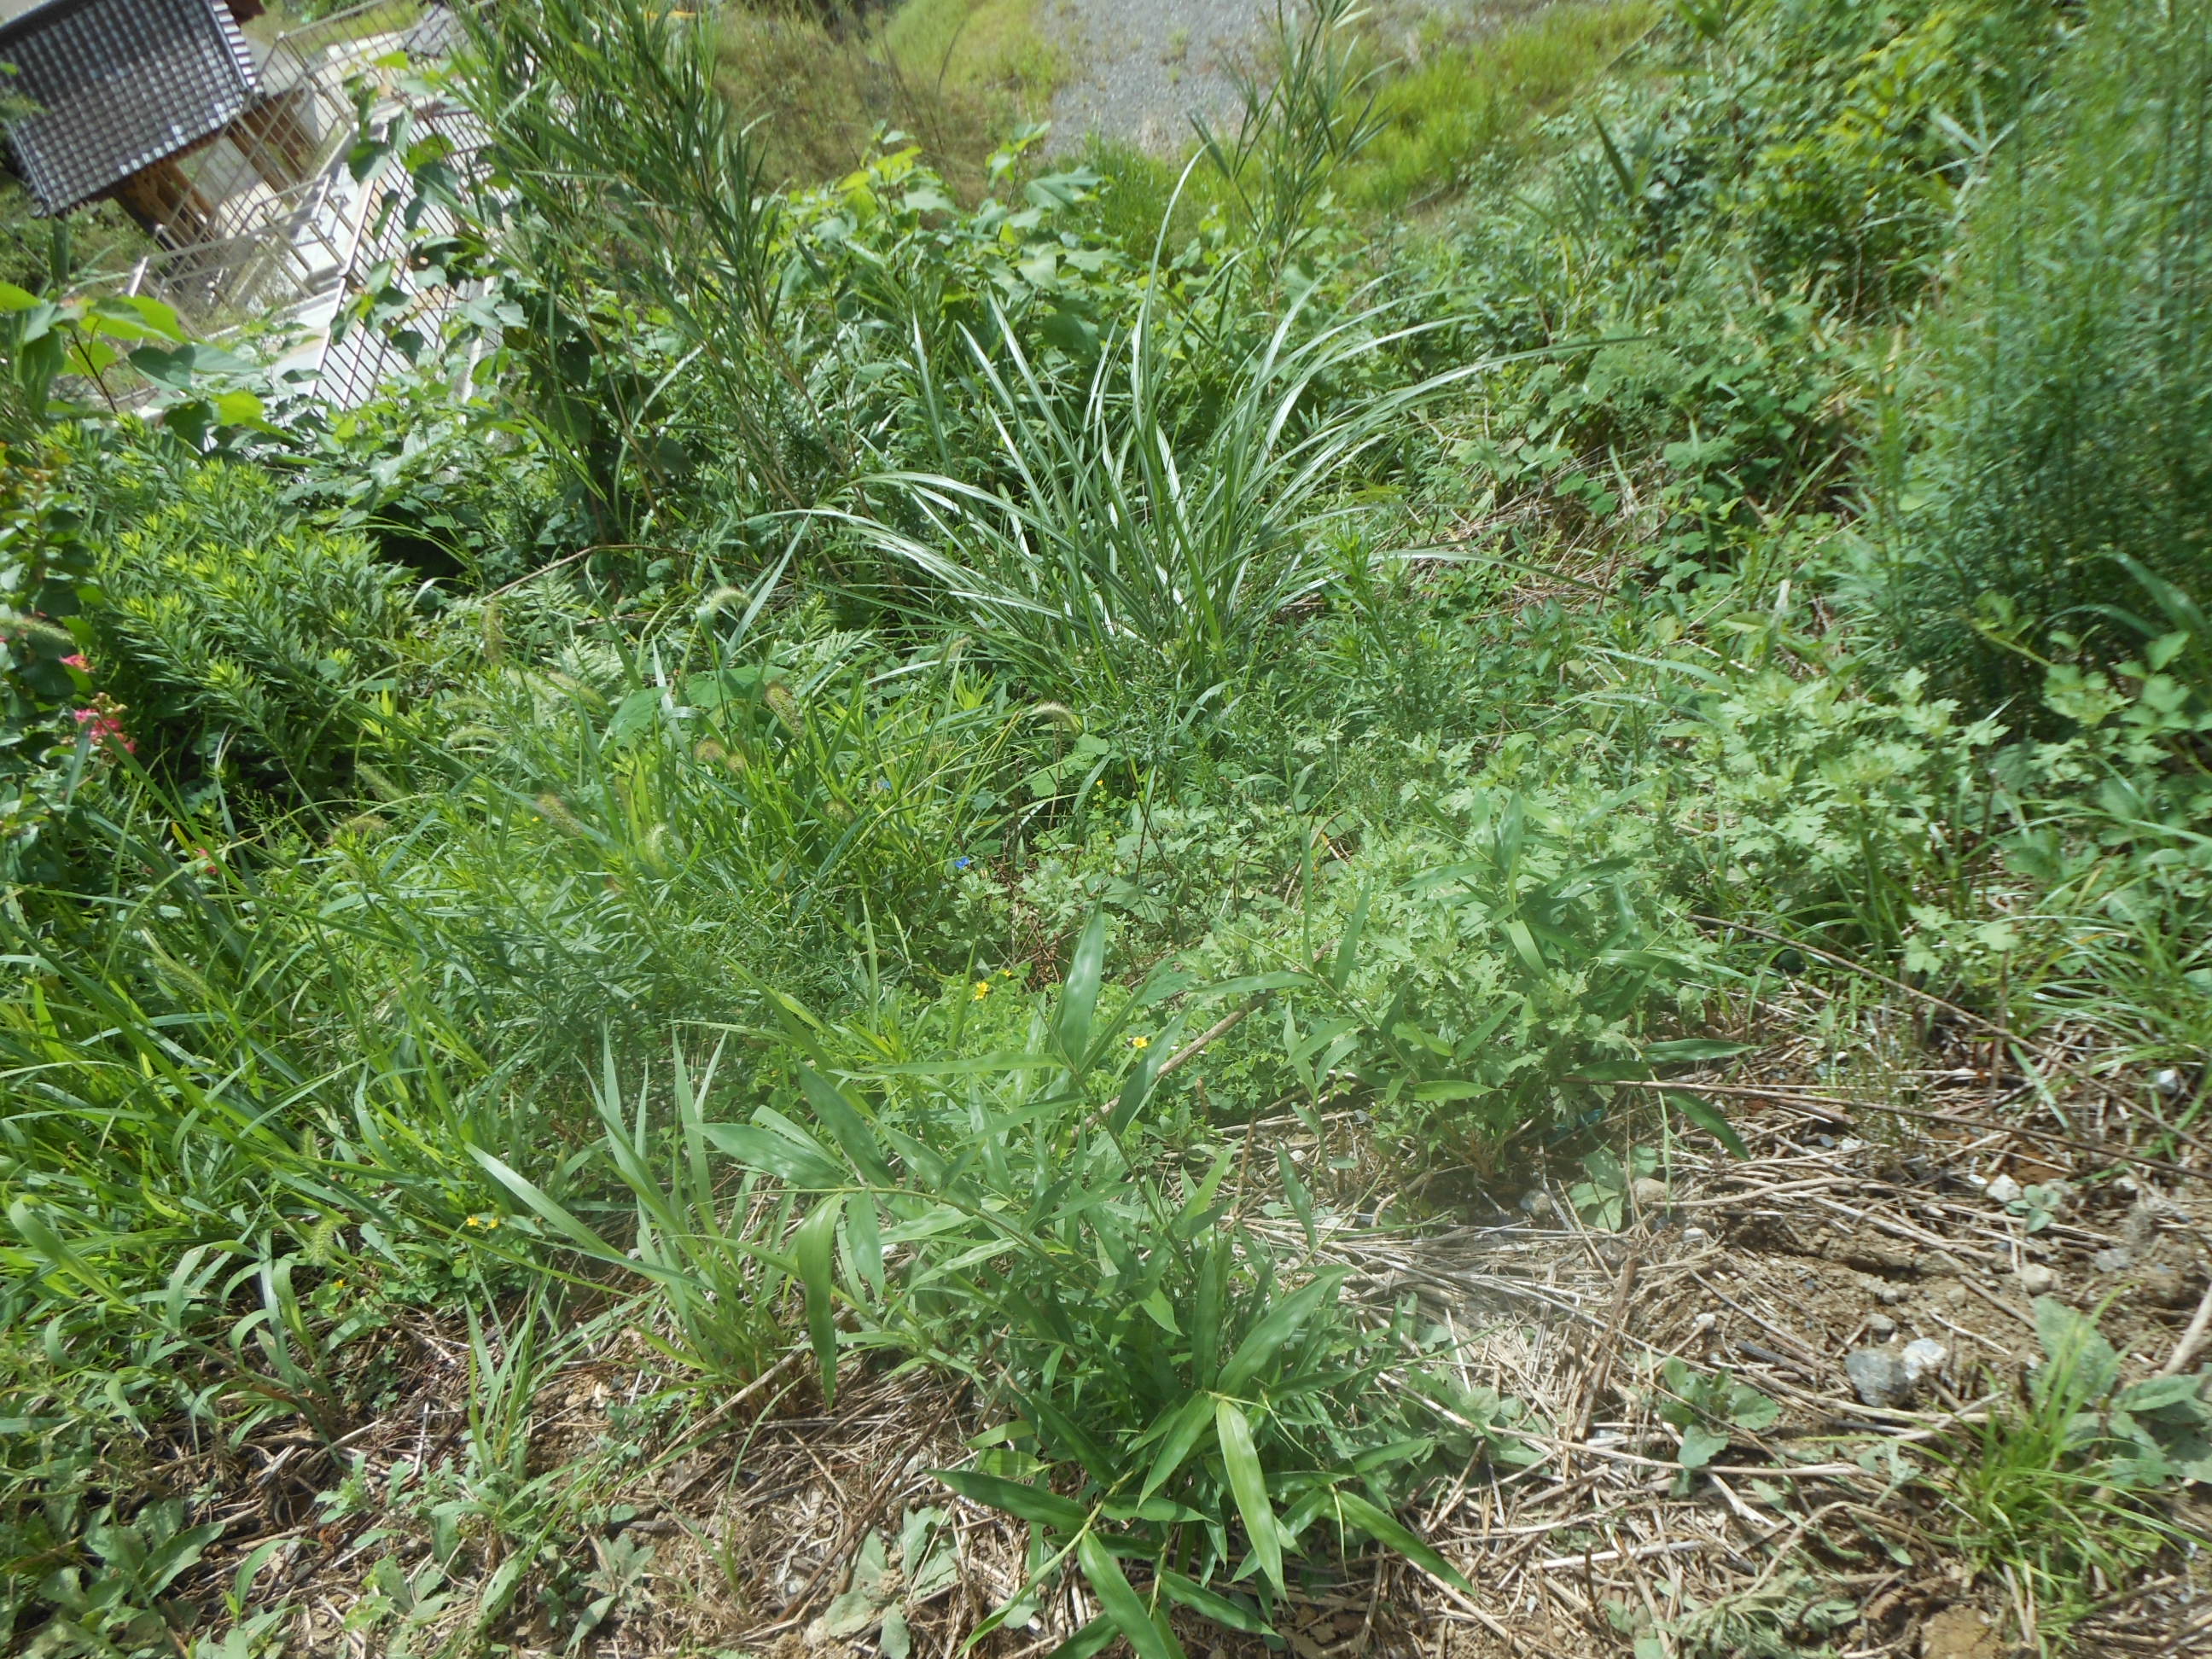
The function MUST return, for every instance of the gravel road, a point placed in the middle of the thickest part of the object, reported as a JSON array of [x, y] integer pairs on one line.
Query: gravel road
[[1142, 67]]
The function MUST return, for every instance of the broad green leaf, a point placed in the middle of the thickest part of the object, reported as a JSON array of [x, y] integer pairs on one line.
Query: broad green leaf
[[1188, 1424], [2079, 1363], [1450, 1088], [2163, 1395], [1706, 1117], [1248, 1482], [1206, 1315], [1700, 1445], [1190, 1593], [527, 1191], [1682, 1049], [846, 1125], [1137, 1087], [1748, 1408], [1078, 996], [1347, 950], [815, 1249], [633, 714], [805, 1166], [1122, 1604], [1301, 1201], [17, 298], [1253, 984], [1386, 1528], [1281, 1322], [1524, 944], [1092, 1638], [239, 409], [1027, 1502]]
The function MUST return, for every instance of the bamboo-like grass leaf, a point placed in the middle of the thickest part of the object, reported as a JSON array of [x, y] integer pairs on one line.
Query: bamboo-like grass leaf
[[1147, 1635], [1385, 1527], [1279, 1324], [1186, 1426], [816, 1250], [1248, 1482], [1079, 997], [1016, 1498]]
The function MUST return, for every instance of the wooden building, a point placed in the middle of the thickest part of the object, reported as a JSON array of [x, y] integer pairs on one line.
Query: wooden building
[[160, 105]]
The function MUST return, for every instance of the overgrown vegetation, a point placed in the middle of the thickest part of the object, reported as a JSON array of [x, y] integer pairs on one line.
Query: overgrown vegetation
[[819, 821]]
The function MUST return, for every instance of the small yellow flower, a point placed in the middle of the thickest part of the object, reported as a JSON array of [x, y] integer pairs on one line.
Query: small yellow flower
[[1140, 1042], [982, 989]]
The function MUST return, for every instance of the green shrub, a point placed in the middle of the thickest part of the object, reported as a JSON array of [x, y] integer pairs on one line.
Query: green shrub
[[230, 627], [2068, 412]]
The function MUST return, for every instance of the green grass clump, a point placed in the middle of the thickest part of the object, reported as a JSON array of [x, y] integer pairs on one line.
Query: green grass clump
[[1462, 111], [976, 47]]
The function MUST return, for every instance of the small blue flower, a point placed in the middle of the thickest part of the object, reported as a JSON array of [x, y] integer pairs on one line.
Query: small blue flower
[[962, 864]]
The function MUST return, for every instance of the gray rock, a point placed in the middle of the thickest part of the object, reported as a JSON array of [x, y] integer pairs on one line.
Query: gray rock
[[1922, 1359], [2037, 1279], [2003, 1190], [1878, 1376], [2112, 1261], [1889, 1296], [1649, 1192], [1536, 1202], [1881, 1326]]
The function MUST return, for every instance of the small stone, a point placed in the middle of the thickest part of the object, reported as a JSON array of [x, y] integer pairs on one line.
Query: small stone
[[1959, 1632], [1955, 1293], [1883, 1326], [1649, 1192], [2003, 1190], [2037, 1279], [2166, 1286], [1889, 1295], [1878, 1376], [1921, 1358], [2112, 1261], [2169, 1082], [1703, 1322], [1696, 1235], [1536, 1202]]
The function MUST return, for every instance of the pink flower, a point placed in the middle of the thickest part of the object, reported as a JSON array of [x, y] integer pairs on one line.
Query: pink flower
[[101, 724], [77, 660]]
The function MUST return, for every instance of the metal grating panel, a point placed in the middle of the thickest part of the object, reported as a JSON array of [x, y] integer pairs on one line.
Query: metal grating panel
[[118, 85]]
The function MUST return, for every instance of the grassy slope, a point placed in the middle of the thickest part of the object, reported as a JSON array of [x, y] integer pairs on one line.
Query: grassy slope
[[394, 985]]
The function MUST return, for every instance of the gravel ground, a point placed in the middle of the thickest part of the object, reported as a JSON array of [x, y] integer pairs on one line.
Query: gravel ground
[[1141, 68]]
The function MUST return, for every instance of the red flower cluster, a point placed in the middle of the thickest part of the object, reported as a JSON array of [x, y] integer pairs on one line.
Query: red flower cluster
[[103, 724]]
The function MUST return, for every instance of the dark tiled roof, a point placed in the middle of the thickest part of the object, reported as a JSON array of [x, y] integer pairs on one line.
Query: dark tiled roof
[[118, 85]]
